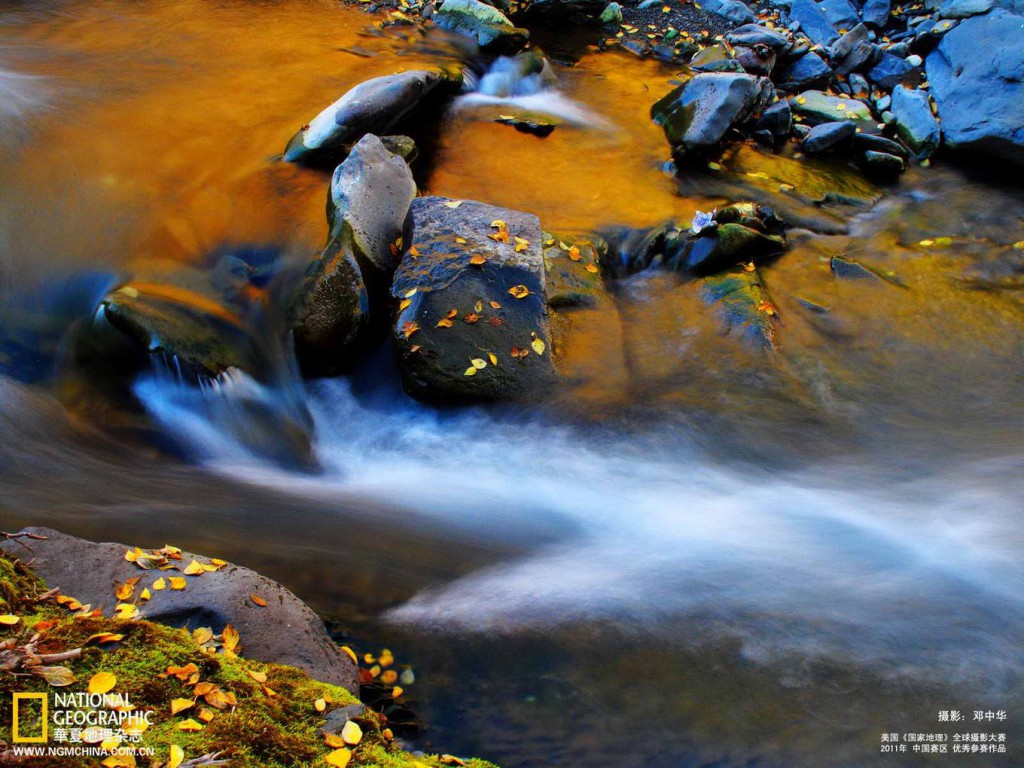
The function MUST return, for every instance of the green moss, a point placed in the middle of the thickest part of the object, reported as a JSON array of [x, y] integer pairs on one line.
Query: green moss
[[275, 729]]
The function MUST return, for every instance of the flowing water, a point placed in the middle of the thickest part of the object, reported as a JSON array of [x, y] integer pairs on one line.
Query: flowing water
[[692, 553]]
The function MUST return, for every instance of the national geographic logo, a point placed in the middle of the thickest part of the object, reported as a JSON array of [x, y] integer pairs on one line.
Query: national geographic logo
[[31, 713]]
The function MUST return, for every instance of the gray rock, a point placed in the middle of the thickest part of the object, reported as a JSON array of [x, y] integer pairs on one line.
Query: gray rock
[[715, 58], [759, 60], [697, 114], [755, 34], [875, 13], [776, 120], [883, 165], [444, 291], [962, 9], [487, 26], [813, 22], [841, 14], [808, 71], [871, 141], [915, 123], [284, 632], [976, 74], [828, 136], [375, 106], [818, 107], [891, 71], [742, 304], [734, 11], [612, 14], [842, 47]]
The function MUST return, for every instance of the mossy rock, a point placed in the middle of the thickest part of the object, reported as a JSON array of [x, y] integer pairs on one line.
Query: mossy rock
[[742, 303]]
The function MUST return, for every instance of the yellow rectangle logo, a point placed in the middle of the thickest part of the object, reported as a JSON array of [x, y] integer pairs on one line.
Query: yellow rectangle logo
[[16, 736]]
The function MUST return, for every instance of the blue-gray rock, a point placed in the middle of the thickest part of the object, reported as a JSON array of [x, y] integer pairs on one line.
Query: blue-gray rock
[[697, 114], [841, 14], [891, 71], [374, 106], [813, 22], [755, 34], [977, 76], [817, 107], [915, 123], [828, 136], [875, 13], [876, 143], [488, 26], [777, 120], [882, 165], [732, 10], [808, 71], [962, 9], [715, 58]]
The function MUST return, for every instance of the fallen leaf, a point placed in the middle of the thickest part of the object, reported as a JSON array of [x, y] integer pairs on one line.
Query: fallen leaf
[[476, 260], [350, 653], [387, 734], [58, 677], [205, 714], [471, 371], [259, 677], [765, 307], [452, 760], [178, 582], [521, 244], [190, 725], [409, 328], [176, 756], [413, 252], [519, 353], [592, 268], [123, 591], [204, 688], [574, 253], [194, 568], [495, 321], [404, 303], [119, 761], [479, 364], [519, 291], [389, 677], [453, 204], [320, 705], [100, 637], [333, 740], [501, 236], [493, 358], [461, 240], [202, 635], [125, 611], [538, 345], [494, 305], [269, 691], [410, 293], [180, 705], [102, 682], [9, 619], [258, 600], [230, 637], [339, 758], [397, 691], [219, 699], [471, 318], [444, 322], [159, 585], [352, 733], [408, 677]]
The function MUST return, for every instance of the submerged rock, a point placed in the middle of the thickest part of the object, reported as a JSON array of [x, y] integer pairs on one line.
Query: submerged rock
[[489, 27], [472, 321], [696, 115], [374, 106], [976, 77], [342, 292], [743, 305], [285, 631]]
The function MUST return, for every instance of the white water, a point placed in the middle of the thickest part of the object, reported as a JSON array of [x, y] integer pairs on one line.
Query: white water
[[920, 575]]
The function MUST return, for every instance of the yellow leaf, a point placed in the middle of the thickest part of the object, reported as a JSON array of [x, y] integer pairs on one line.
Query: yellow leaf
[[258, 600], [592, 268], [159, 585], [453, 204], [320, 705], [145, 595], [202, 689], [119, 761], [926, 243], [190, 725], [205, 714], [397, 691], [389, 677], [230, 637], [126, 611], [499, 224], [493, 358], [352, 733], [9, 619], [538, 345], [194, 568], [476, 260], [123, 591], [180, 705], [452, 760], [494, 305], [519, 291], [461, 240], [405, 303], [479, 364], [219, 699], [521, 244], [350, 653], [178, 582], [334, 740], [471, 371], [714, 166], [339, 758], [104, 637], [259, 677], [102, 682], [202, 635], [269, 691], [410, 293], [177, 755]]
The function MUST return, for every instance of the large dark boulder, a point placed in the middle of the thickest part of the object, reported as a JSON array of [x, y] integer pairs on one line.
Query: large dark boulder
[[374, 106], [342, 293], [977, 77], [486, 25], [471, 321], [807, 71], [915, 123], [813, 22], [697, 114], [285, 631]]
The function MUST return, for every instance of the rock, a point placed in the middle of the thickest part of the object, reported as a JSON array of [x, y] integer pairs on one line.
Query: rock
[[848, 269], [634, 250], [915, 123], [454, 283], [342, 292], [854, 51], [488, 26], [719, 248], [828, 136], [743, 305], [818, 107], [374, 106], [777, 120], [875, 13], [573, 277], [566, 8], [976, 77], [286, 631], [611, 15], [534, 125], [696, 115], [403, 146], [754, 34], [734, 11], [841, 14], [759, 60], [715, 58], [962, 9], [870, 141], [883, 165], [891, 71], [808, 71], [190, 329], [813, 22]]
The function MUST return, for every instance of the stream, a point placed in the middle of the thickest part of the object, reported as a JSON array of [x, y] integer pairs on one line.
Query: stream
[[690, 554]]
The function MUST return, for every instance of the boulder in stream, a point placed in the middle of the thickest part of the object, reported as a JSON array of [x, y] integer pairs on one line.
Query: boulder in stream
[[471, 321], [485, 24], [743, 305]]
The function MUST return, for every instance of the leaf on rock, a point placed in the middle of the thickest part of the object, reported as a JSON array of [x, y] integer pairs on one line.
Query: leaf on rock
[[350, 653], [409, 328], [202, 635], [471, 371], [126, 611], [519, 291], [159, 584], [471, 318], [574, 253], [258, 600], [177, 582], [453, 204], [230, 638], [493, 358], [194, 568]]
